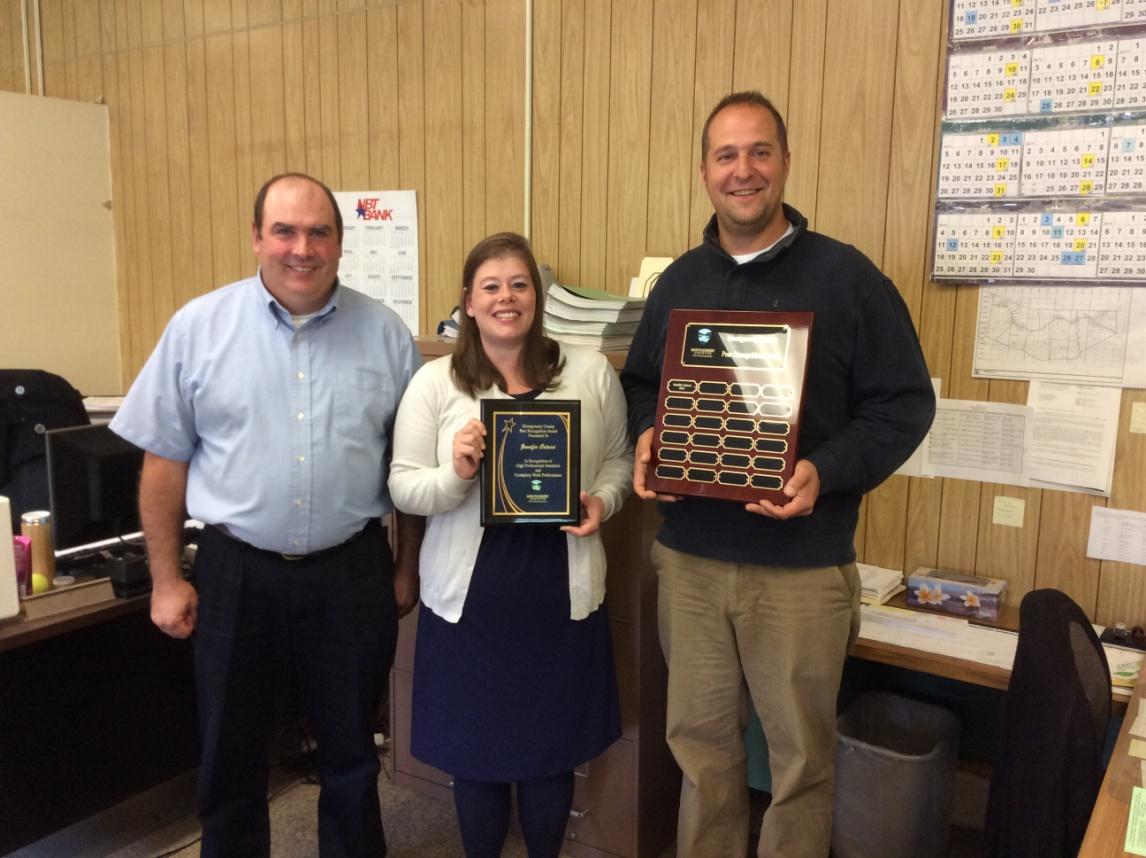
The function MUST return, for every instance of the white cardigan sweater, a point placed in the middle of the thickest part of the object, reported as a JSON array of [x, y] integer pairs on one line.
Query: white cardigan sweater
[[423, 482]]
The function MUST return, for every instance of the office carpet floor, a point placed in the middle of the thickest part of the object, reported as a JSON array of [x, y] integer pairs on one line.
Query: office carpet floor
[[160, 824]]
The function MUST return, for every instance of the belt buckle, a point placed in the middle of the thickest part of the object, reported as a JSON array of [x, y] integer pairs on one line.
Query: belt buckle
[[293, 558]]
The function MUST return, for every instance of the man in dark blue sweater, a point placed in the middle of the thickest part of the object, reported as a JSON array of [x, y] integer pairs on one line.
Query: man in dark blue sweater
[[763, 597]]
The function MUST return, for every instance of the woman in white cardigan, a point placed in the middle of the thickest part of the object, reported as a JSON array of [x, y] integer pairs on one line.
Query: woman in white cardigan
[[513, 672]]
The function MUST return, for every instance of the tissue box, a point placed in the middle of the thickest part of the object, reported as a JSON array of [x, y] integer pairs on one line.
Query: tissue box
[[956, 593]]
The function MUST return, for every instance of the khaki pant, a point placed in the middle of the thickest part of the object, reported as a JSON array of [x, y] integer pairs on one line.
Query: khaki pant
[[780, 634]]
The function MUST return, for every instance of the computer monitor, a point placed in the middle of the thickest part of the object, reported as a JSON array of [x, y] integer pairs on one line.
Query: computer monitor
[[93, 481]]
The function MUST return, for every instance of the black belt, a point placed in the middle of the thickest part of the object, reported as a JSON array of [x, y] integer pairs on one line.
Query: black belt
[[370, 527]]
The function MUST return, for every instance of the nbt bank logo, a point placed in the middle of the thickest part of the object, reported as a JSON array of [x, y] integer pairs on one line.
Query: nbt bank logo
[[368, 210]]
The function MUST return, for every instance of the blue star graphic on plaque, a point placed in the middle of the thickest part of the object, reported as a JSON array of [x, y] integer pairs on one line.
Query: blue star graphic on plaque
[[361, 211]]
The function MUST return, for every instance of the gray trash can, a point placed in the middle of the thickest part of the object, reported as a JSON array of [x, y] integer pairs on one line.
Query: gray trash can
[[895, 775]]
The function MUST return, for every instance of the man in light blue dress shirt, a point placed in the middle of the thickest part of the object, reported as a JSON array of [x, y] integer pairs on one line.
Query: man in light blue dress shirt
[[266, 412]]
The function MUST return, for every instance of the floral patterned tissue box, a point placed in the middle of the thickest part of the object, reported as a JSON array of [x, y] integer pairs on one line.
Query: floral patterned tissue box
[[955, 593]]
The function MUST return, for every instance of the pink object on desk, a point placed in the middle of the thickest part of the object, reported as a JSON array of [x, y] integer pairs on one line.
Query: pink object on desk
[[22, 546]]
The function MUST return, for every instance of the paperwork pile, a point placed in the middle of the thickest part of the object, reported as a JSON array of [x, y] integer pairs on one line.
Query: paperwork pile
[[591, 317], [879, 584], [100, 409], [448, 327]]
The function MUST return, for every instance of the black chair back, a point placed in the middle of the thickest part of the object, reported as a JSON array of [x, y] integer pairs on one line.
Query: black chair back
[[1055, 720], [32, 401]]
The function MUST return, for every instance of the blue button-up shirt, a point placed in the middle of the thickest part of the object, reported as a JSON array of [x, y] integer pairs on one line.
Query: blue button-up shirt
[[287, 432]]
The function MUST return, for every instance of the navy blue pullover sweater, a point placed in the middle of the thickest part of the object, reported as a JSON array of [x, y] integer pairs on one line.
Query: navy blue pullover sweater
[[868, 398]]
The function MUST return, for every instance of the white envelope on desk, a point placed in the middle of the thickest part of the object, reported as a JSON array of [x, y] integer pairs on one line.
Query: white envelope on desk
[[9, 596]]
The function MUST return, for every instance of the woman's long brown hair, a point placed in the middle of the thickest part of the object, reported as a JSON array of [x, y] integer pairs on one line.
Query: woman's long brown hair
[[471, 369]]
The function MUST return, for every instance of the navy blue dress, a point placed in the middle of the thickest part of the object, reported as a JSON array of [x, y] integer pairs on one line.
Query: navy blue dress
[[514, 690]]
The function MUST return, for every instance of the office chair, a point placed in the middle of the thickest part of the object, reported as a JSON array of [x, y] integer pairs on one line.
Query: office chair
[[31, 402], [1055, 717]]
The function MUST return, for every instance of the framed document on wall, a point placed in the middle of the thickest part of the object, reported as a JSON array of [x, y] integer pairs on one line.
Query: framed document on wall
[[531, 473], [728, 411]]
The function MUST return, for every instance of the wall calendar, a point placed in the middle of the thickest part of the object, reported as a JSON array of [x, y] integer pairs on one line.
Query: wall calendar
[[1042, 163]]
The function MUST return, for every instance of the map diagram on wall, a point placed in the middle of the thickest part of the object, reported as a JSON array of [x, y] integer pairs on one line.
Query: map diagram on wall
[[1062, 333]]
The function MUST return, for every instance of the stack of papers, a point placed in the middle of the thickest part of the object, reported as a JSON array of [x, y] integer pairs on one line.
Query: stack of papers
[[958, 638], [1125, 664], [448, 328], [102, 407], [591, 317], [879, 584], [939, 633]]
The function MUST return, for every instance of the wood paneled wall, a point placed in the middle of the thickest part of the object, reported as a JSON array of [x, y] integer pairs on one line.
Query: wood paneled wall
[[209, 97]]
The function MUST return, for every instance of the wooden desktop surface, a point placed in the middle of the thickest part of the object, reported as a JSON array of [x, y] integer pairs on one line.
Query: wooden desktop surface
[[1106, 834], [951, 667], [21, 631], [936, 663]]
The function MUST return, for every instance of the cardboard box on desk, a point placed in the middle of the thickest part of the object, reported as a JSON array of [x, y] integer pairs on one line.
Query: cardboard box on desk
[[956, 593], [67, 598]]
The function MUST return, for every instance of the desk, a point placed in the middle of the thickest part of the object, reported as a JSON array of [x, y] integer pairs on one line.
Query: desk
[[1106, 833], [98, 706], [20, 631], [953, 667], [937, 663]]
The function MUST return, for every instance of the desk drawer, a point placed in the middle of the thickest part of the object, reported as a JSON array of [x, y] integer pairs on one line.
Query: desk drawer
[[604, 812]]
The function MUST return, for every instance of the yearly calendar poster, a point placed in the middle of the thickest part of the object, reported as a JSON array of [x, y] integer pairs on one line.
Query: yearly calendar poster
[[380, 248], [1042, 163]]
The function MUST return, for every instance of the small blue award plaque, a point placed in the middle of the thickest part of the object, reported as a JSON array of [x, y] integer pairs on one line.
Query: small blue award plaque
[[532, 468]]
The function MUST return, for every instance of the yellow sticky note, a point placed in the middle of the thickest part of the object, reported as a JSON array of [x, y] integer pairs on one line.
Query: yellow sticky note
[[1016, 24], [996, 257], [1086, 187], [1012, 69], [998, 231], [1138, 418], [1096, 60], [992, 139], [1008, 512], [1136, 825], [1080, 244], [1082, 218], [1001, 164], [1009, 94], [1137, 749], [1000, 189], [1094, 87], [1087, 160], [1101, 4]]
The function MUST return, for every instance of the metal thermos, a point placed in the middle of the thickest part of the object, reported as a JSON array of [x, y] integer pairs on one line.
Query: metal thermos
[[37, 526]]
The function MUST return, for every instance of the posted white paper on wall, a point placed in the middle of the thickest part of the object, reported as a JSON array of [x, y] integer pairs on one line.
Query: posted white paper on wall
[[380, 249], [1073, 434], [982, 441], [1117, 534]]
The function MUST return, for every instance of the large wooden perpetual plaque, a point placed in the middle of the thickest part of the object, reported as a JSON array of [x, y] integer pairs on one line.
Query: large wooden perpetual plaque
[[728, 412]]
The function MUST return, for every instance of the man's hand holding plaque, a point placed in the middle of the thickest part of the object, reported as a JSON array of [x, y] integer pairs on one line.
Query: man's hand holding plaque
[[642, 456]]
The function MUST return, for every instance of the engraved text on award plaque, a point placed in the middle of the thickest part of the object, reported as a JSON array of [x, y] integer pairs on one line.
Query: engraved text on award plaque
[[531, 472]]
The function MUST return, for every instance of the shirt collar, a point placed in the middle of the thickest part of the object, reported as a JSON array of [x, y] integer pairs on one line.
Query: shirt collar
[[282, 316], [798, 224]]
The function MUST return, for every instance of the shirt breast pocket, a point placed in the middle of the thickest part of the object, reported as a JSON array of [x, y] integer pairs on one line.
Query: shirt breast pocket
[[366, 401]]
